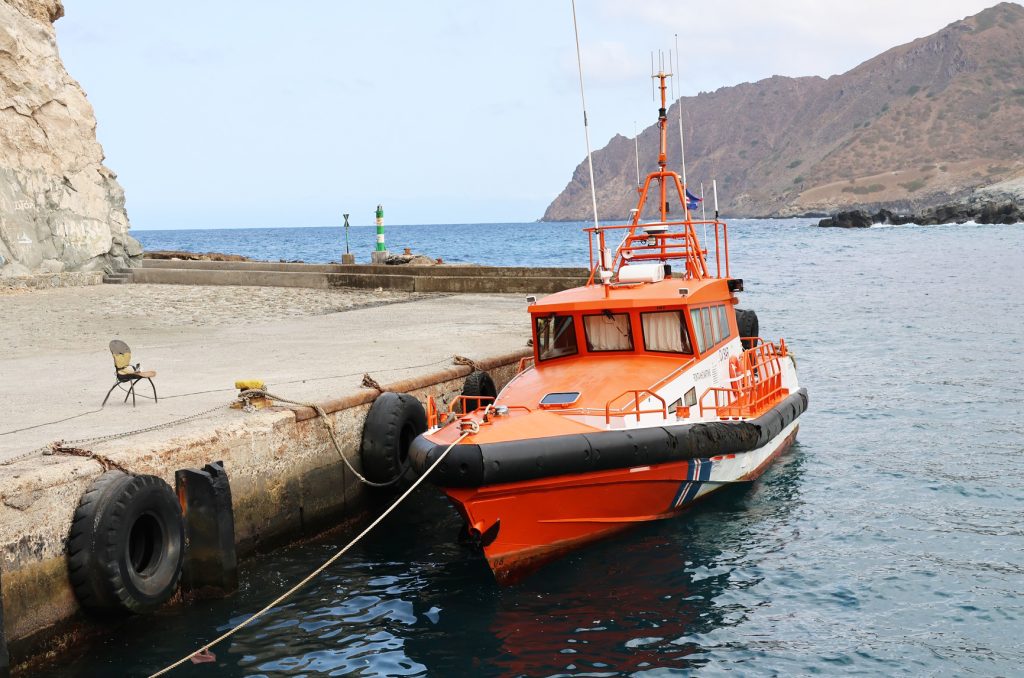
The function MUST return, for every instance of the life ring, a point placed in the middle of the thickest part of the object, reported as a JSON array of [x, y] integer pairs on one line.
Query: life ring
[[735, 368], [479, 385], [126, 545], [393, 422]]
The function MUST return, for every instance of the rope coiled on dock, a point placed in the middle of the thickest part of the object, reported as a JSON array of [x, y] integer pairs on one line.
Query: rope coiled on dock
[[312, 575]]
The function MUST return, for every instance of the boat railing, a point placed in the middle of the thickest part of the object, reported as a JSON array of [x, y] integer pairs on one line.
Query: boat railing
[[524, 362], [678, 241], [756, 383], [465, 401], [636, 393]]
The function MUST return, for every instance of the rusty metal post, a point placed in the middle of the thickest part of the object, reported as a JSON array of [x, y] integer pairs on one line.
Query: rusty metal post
[[211, 564], [5, 659]]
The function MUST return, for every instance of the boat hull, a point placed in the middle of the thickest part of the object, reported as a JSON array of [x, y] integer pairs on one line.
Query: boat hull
[[523, 525]]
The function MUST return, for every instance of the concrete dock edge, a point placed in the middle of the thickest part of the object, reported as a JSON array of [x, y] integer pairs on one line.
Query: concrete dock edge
[[287, 482]]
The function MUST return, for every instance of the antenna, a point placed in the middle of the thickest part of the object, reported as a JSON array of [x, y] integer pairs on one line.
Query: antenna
[[679, 103], [636, 144], [586, 128], [704, 217], [714, 187], [670, 62], [654, 97]]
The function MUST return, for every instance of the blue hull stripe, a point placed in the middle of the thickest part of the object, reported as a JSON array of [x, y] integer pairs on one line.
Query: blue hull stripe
[[698, 471]]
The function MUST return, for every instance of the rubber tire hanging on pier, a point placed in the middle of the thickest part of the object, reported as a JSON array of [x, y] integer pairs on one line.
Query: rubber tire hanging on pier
[[479, 384], [126, 545], [394, 421], [746, 323]]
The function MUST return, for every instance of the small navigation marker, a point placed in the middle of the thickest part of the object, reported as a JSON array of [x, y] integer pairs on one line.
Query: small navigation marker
[[380, 254], [347, 257]]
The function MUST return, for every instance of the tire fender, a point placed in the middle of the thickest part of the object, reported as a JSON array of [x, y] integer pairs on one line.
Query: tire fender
[[747, 325], [126, 545], [478, 385], [393, 422]]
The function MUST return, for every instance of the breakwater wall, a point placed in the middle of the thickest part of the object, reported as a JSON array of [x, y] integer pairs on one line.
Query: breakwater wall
[[407, 278], [287, 482]]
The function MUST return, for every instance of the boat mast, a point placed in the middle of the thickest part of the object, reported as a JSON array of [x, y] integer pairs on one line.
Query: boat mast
[[663, 130]]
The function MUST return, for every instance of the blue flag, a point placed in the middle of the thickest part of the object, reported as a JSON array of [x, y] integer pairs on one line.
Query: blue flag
[[692, 201]]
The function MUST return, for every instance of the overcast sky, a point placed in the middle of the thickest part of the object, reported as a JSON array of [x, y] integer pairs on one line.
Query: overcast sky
[[231, 114]]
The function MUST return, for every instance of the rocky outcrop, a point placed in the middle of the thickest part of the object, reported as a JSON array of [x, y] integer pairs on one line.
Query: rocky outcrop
[[61, 209], [957, 213]]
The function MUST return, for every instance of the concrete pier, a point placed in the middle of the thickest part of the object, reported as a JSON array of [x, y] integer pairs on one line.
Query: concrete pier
[[286, 478], [441, 278]]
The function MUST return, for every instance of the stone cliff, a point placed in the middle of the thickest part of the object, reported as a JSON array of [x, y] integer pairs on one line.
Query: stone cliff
[[61, 209], [928, 123]]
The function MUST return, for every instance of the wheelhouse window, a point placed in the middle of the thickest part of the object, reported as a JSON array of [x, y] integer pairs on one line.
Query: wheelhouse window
[[710, 326], [608, 332], [556, 337], [665, 332]]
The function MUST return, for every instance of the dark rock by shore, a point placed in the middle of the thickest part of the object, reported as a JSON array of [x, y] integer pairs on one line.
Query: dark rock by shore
[[982, 213], [193, 256], [206, 256]]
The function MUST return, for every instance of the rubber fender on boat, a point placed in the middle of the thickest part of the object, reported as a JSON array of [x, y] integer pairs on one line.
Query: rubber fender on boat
[[474, 465], [126, 544], [392, 423], [746, 323]]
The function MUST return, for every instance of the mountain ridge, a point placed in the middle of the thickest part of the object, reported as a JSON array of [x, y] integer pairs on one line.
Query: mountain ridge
[[921, 124]]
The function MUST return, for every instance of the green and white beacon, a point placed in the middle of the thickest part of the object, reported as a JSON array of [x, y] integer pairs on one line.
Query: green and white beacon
[[380, 253]]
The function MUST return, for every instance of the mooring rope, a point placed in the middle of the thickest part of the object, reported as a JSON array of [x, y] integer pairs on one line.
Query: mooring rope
[[330, 561], [246, 395]]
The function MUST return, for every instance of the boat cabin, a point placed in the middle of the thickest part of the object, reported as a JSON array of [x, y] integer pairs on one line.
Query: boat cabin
[[670, 318]]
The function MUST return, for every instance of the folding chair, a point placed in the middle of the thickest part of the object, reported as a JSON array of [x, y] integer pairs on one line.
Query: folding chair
[[124, 371]]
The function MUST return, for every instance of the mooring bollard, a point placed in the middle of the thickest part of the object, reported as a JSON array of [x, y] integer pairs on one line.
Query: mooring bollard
[[5, 659], [211, 564]]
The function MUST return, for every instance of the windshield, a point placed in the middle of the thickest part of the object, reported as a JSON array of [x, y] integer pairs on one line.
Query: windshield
[[556, 337]]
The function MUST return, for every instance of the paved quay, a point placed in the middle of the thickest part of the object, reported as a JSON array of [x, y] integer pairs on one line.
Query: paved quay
[[287, 478], [307, 344]]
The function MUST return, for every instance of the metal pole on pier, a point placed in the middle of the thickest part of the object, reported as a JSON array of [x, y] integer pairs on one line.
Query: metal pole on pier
[[348, 257]]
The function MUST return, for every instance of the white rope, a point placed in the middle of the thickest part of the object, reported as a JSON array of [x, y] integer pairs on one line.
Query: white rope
[[277, 601], [244, 397]]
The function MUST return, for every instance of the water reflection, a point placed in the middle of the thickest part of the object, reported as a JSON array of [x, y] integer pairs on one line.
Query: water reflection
[[645, 598]]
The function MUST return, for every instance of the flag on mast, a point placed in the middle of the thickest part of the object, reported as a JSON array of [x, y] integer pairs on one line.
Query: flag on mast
[[692, 201]]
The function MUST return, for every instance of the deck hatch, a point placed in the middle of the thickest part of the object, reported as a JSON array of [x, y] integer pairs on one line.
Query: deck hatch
[[560, 399]]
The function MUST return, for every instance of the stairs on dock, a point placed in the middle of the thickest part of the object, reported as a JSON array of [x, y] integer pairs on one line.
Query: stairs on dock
[[119, 277]]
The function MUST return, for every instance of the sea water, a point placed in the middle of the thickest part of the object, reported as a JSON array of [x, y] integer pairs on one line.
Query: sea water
[[888, 541]]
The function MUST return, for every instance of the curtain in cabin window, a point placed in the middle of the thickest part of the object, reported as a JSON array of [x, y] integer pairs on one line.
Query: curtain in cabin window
[[665, 332], [608, 332]]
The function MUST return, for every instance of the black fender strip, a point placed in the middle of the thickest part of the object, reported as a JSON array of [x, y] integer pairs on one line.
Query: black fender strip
[[474, 465]]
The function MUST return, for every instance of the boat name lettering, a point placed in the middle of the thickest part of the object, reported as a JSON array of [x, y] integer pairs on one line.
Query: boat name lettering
[[702, 375]]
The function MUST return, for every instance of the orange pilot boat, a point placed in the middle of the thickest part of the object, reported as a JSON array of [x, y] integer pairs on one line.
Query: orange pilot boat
[[648, 391]]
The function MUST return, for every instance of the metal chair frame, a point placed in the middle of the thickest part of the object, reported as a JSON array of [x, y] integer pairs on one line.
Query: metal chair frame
[[118, 347]]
